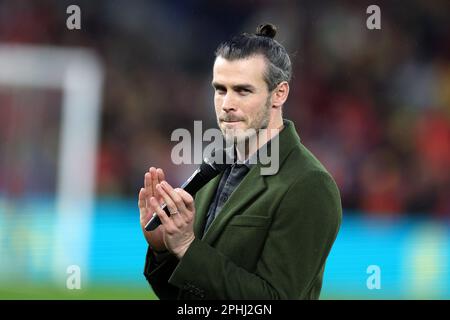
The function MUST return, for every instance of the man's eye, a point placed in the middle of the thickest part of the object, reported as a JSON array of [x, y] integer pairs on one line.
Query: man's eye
[[243, 91], [220, 91]]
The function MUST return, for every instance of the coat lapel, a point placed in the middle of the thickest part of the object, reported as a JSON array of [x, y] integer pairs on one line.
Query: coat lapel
[[202, 201], [249, 189]]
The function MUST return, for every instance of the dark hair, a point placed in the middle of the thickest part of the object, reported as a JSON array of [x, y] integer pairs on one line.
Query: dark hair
[[279, 66]]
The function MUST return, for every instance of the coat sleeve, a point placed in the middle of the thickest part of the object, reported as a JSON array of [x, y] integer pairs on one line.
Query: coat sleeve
[[303, 230], [157, 271]]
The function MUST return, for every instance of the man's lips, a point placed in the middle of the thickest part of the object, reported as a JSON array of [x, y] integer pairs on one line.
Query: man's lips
[[231, 120], [230, 124]]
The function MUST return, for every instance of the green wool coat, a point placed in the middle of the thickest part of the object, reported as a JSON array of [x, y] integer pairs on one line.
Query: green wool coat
[[270, 240]]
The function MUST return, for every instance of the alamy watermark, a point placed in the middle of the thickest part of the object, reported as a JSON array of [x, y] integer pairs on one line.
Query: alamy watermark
[[374, 280], [73, 21], [374, 20], [267, 155], [73, 281]]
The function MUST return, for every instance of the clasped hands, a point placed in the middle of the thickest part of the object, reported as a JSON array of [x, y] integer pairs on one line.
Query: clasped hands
[[176, 232]]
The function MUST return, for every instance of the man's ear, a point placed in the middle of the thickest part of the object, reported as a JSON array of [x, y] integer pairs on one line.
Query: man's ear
[[280, 94]]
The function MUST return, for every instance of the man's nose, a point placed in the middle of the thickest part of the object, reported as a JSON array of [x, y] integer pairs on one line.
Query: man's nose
[[228, 103]]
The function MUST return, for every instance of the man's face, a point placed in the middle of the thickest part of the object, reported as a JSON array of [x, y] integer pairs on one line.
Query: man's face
[[242, 100]]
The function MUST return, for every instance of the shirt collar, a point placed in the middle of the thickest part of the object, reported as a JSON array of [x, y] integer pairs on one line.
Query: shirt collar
[[251, 161]]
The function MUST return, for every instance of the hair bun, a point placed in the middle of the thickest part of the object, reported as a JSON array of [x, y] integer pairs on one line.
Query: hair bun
[[266, 30]]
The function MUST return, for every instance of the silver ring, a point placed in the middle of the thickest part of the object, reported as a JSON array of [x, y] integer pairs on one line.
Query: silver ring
[[172, 213]]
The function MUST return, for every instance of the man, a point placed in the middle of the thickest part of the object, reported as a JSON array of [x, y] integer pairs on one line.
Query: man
[[246, 235]]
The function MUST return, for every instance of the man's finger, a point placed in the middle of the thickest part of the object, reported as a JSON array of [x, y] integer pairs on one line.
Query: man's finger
[[143, 209], [161, 175], [141, 199], [146, 179], [147, 187], [179, 203], [187, 199], [178, 214], [173, 207], [154, 180], [165, 220]]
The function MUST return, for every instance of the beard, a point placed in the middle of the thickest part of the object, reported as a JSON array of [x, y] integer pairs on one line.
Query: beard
[[255, 124]]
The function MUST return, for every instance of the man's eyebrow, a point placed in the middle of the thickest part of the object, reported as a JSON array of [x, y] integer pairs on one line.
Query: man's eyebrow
[[217, 85], [244, 87], [236, 87]]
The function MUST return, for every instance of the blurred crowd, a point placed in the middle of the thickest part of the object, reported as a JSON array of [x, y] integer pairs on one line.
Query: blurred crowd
[[372, 105]]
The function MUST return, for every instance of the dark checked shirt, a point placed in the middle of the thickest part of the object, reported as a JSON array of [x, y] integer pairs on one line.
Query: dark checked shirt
[[231, 178]]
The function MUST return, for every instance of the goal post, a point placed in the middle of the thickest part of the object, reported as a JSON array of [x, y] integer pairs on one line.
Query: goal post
[[78, 74]]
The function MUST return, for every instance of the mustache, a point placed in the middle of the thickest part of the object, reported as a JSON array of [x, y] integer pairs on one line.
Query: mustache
[[230, 118]]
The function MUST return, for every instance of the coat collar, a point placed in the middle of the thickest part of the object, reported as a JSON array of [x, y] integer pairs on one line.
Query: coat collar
[[249, 189]]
